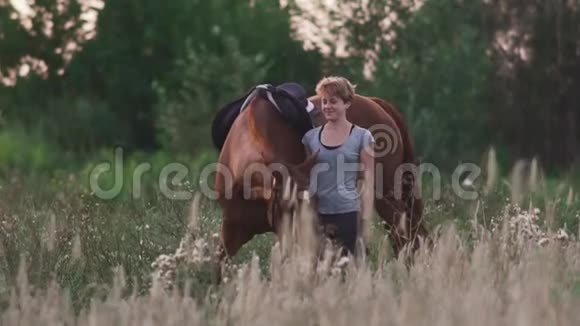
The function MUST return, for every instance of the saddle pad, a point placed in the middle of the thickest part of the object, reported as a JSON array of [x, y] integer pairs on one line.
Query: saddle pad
[[224, 119]]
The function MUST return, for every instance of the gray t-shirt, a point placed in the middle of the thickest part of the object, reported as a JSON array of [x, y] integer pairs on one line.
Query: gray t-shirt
[[333, 177]]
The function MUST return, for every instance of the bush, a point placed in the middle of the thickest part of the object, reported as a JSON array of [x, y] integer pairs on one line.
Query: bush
[[26, 151]]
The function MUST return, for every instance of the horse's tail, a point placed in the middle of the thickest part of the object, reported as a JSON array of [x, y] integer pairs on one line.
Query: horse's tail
[[413, 204]]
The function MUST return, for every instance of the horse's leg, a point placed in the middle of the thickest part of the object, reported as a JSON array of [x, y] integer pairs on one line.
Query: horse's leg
[[417, 225], [233, 237], [390, 214], [221, 255], [405, 228]]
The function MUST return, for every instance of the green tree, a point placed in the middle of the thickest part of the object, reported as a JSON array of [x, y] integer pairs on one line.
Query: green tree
[[199, 84], [437, 72], [538, 76], [42, 34], [428, 58], [139, 43]]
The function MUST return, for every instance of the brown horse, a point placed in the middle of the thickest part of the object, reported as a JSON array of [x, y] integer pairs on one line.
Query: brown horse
[[260, 135]]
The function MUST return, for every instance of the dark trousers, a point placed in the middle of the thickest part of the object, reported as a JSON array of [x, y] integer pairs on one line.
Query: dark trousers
[[341, 228]]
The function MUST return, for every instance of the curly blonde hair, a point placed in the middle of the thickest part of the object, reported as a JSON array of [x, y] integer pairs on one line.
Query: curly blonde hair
[[336, 86]]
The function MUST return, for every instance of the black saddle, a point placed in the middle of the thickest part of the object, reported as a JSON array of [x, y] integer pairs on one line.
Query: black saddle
[[289, 99]]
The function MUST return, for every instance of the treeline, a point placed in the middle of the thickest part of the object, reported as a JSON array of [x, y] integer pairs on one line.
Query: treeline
[[149, 76]]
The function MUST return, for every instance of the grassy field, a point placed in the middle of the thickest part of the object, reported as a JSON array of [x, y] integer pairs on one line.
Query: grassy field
[[510, 257]]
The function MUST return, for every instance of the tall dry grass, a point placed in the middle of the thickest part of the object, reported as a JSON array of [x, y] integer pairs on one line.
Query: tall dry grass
[[504, 276], [494, 262]]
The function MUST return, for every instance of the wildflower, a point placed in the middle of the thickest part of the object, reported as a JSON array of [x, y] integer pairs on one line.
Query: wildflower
[[343, 262], [543, 241], [562, 235]]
